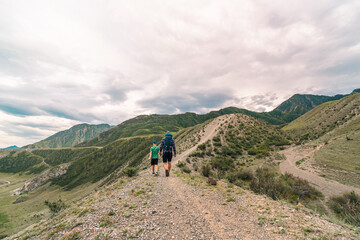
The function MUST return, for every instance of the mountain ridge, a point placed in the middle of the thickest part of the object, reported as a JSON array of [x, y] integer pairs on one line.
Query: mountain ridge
[[70, 137]]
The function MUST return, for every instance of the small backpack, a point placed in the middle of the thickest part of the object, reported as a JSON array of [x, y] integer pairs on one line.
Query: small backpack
[[168, 141]]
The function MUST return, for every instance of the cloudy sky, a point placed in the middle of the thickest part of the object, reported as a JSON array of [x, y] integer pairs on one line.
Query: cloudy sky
[[65, 62]]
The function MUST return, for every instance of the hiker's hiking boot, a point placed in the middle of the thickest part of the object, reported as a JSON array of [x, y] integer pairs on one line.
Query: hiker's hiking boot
[[167, 172]]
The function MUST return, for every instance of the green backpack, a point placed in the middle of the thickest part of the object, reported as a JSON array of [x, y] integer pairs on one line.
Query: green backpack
[[168, 141]]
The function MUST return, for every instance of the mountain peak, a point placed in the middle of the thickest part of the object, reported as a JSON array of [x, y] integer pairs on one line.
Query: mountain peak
[[12, 147]]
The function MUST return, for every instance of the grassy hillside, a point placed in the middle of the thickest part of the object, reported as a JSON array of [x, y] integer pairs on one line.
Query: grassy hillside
[[241, 141], [336, 127], [104, 161], [20, 161], [55, 157], [302, 103], [19, 212], [325, 118], [71, 137], [159, 124]]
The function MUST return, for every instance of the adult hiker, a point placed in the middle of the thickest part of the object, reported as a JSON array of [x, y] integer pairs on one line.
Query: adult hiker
[[154, 157], [167, 147]]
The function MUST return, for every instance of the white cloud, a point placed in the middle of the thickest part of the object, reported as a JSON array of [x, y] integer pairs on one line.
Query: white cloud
[[97, 61]]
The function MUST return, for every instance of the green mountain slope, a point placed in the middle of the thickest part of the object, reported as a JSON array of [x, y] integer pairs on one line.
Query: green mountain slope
[[71, 137], [299, 104], [104, 161], [240, 140], [158, 124], [325, 118]]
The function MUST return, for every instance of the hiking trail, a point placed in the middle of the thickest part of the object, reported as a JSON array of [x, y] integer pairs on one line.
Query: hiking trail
[[183, 207]]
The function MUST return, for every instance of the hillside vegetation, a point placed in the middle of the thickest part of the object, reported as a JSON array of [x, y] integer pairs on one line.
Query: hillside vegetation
[[325, 118], [335, 126], [104, 161], [19, 161], [71, 137], [241, 141]]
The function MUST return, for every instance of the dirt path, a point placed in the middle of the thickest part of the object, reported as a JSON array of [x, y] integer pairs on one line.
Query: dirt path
[[183, 207], [327, 187], [4, 183]]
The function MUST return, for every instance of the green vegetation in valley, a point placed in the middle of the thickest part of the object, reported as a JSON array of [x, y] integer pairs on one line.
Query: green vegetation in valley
[[30, 207]]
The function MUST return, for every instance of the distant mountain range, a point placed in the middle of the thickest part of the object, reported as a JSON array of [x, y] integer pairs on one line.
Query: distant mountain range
[[102, 134], [142, 125], [12, 147], [299, 104], [71, 137]]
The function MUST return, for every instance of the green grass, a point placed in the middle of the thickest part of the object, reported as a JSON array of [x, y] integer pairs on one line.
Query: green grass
[[341, 157], [32, 210]]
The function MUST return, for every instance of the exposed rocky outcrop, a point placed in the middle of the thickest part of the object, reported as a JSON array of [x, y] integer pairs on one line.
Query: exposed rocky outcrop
[[32, 184]]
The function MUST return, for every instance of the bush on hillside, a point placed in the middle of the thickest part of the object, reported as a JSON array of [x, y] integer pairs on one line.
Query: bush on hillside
[[180, 164], [279, 186], [130, 171], [185, 169], [237, 177], [347, 207], [205, 170], [55, 206], [222, 163]]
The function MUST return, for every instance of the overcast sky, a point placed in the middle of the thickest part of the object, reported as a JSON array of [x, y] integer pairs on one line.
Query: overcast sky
[[67, 62]]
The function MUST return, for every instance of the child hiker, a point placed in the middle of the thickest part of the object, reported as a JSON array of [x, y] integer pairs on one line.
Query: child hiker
[[154, 157]]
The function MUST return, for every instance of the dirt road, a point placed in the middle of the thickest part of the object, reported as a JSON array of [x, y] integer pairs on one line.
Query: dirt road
[[327, 187]]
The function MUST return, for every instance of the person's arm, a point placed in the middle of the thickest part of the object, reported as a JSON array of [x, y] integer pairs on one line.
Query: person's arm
[[174, 148], [161, 146], [150, 155]]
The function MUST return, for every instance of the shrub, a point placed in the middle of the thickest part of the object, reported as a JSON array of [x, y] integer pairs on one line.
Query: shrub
[[347, 207], [197, 154], [130, 171], [205, 170], [222, 163], [216, 139], [202, 147], [180, 164], [243, 175], [278, 186], [186, 169], [56, 206]]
